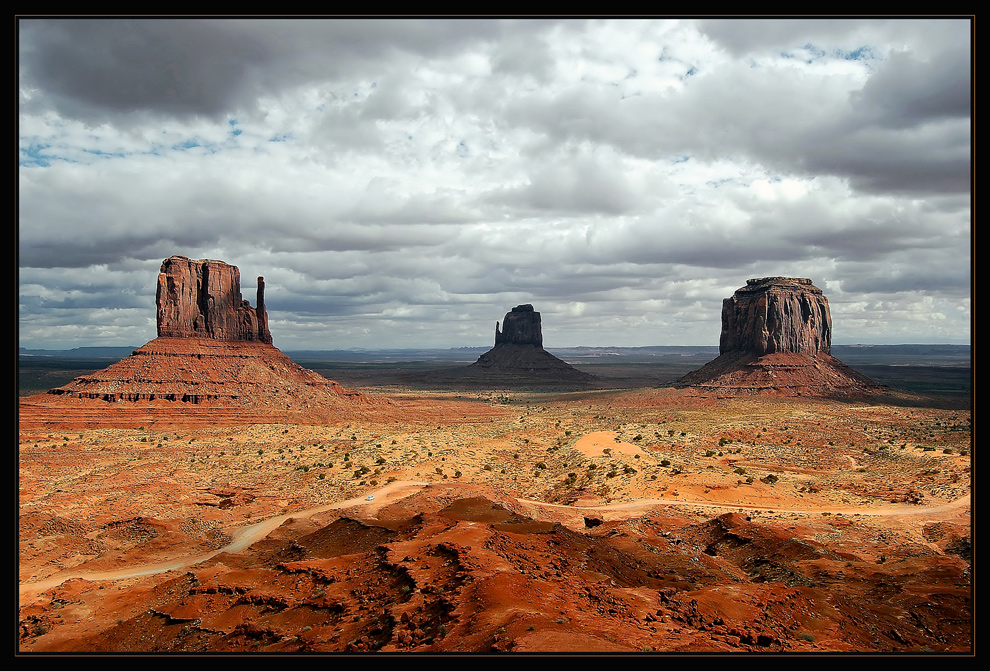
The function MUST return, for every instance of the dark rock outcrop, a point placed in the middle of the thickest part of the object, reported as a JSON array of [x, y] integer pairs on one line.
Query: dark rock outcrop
[[776, 338], [519, 353], [521, 326], [202, 299]]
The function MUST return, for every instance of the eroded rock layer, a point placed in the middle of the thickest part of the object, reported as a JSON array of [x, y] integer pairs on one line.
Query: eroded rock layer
[[443, 574], [520, 326], [213, 362]]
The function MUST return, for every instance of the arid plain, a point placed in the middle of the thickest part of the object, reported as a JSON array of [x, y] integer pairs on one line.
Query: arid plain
[[856, 513]]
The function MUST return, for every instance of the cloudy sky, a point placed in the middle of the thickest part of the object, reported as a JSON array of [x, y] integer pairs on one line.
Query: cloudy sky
[[405, 183]]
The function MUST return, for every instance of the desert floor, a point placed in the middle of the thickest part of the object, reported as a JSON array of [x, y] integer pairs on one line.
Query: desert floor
[[102, 510]]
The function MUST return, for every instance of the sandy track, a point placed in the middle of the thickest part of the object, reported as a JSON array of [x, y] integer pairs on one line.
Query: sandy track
[[645, 504]]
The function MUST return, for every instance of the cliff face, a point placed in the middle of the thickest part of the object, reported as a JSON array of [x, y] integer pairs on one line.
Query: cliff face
[[521, 326], [203, 299], [776, 314]]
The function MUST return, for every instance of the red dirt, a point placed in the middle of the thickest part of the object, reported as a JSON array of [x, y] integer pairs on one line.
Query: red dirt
[[533, 536]]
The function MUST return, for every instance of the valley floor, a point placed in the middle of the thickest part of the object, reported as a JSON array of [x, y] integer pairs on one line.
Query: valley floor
[[767, 499]]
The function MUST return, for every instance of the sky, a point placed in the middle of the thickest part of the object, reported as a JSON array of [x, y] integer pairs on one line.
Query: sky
[[404, 183]]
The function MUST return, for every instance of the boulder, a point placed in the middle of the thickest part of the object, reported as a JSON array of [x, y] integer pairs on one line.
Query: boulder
[[202, 299]]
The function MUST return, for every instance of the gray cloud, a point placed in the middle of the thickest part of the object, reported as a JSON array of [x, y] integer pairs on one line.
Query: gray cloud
[[406, 182]]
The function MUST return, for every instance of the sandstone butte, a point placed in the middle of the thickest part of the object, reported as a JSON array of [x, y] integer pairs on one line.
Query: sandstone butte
[[212, 362], [519, 351], [776, 340]]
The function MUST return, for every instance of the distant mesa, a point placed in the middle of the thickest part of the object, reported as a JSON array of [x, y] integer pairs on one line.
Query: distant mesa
[[518, 351], [213, 361], [776, 338]]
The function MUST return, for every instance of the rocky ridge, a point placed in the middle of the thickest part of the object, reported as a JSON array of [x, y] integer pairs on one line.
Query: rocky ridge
[[464, 570]]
